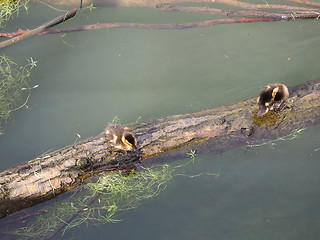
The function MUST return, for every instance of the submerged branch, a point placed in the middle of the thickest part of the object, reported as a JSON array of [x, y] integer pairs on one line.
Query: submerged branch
[[160, 26], [148, 26], [69, 220], [251, 16]]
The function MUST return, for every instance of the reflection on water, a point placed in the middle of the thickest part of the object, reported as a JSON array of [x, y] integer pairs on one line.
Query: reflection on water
[[86, 79]]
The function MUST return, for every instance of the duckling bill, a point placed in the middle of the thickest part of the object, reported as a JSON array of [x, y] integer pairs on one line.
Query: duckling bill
[[271, 98], [121, 137]]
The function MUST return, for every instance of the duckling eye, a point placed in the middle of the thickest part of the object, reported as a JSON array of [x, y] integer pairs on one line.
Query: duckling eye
[[129, 139]]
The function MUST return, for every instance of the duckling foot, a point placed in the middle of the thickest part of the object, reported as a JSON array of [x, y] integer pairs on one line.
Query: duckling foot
[[280, 107]]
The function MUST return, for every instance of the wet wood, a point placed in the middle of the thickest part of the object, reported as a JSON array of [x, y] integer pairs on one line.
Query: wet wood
[[162, 26], [256, 17], [208, 131], [252, 14]]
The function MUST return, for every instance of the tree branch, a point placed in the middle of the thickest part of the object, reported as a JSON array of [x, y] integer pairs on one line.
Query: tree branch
[[161, 26], [40, 29]]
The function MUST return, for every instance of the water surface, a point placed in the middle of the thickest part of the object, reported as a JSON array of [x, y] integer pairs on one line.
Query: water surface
[[88, 78]]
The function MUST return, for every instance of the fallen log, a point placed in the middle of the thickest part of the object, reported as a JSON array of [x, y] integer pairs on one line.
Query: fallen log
[[213, 130]]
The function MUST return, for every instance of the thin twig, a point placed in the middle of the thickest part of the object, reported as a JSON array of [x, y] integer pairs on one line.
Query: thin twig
[[23, 218]]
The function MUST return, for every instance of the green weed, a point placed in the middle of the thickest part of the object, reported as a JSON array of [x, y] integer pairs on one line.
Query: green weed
[[11, 7], [192, 154], [13, 82], [118, 191]]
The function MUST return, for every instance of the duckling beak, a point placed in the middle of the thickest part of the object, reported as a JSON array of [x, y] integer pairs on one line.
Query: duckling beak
[[134, 148], [262, 111]]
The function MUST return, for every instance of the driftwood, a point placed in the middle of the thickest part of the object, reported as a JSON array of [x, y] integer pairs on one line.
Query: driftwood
[[212, 130], [161, 26], [260, 17], [252, 14]]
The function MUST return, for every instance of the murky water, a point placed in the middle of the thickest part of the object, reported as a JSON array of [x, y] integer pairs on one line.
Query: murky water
[[88, 78]]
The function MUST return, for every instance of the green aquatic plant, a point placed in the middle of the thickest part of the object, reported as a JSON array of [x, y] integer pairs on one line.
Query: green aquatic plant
[[91, 7], [115, 119], [113, 193], [192, 154], [102, 201], [14, 81], [11, 7], [272, 143], [128, 190]]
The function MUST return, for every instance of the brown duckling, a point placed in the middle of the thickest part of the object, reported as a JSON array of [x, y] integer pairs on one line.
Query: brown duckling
[[121, 137], [271, 98]]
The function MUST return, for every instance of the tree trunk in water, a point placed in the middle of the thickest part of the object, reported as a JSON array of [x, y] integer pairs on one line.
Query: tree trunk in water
[[213, 130]]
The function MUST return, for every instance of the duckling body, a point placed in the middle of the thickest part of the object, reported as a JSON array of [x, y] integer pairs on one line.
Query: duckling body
[[271, 98], [121, 137]]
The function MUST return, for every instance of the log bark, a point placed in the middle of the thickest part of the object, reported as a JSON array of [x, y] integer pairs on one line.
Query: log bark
[[213, 130]]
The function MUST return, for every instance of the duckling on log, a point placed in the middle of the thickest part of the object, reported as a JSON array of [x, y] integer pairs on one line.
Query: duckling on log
[[121, 137], [272, 97]]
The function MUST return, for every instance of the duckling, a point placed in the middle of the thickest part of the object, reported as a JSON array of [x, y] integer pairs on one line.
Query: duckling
[[271, 98], [121, 137]]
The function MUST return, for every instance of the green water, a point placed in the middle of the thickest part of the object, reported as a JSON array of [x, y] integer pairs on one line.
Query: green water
[[87, 78]]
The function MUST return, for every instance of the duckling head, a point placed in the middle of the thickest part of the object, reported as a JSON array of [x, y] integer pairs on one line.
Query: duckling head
[[121, 137], [129, 141]]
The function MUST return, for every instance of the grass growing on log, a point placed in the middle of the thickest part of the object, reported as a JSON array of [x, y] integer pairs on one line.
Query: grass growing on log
[[10, 7], [13, 82], [119, 191]]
